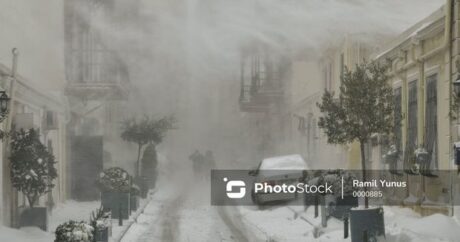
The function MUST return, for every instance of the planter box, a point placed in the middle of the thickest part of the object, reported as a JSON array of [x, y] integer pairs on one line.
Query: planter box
[[152, 180], [341, 207], [368, 221], [102, 235], [134, 203], [142, 183], [36, 217], [116, 202]]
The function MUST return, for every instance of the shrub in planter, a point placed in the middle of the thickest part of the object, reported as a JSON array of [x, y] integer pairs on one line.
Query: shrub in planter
[[146, 131], [338, 207], [114, 179], [149, 166], [391, 156], [73, 231], [102, 225], [115, 185], [32, 173]]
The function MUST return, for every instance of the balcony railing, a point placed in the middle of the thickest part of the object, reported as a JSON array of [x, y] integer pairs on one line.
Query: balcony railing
[[264, 88]]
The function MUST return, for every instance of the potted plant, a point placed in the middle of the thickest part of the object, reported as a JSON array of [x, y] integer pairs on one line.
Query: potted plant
[[391, 156], [363, 107], [339, 206], [149, 166], [32, 173], [333, 204], [73, 231], [115, 186], [142, 132], [102, 225]]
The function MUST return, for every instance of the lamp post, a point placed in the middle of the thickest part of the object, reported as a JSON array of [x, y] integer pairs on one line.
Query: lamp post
[[4, 100], [456, 84]]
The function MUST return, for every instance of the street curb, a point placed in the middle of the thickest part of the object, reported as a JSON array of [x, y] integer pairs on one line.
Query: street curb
[[261, 235], [134, 218]]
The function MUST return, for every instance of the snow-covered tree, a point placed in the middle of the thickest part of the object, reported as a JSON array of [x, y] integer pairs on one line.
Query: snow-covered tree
[[74, 231], [32, 165], [363, 107], [145, 131], [114, 179]]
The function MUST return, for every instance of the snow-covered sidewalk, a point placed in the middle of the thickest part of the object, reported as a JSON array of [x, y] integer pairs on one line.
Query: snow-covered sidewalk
[[70, 210], [285, 223]]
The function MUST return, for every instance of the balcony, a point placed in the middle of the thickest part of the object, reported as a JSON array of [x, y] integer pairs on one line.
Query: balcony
[[103, 76], [264, 86], [250, 103], [97, 90]]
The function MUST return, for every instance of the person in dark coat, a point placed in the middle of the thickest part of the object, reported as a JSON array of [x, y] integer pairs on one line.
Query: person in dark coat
[[209, 162], [198, 159]]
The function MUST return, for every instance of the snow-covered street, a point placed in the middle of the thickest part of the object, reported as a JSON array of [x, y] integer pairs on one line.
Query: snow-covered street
[[179, 215], [180, 210], [186, 215]]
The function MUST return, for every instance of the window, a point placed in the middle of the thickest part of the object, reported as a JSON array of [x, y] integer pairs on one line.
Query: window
[[431, 126], [49, 118], [397, 130], [327, 73], [342, 67], [314, 137], [50, 146], [411, 143]]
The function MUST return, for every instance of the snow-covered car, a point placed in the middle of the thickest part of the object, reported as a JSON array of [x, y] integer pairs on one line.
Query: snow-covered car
[[273, 171]]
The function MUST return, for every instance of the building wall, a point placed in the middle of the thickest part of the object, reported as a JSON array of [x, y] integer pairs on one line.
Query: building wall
[[28, 107], [309, 80], [39, 38], [419, 54]]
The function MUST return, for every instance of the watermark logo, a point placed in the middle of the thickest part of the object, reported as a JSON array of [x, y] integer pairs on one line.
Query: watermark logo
[[235, 184]]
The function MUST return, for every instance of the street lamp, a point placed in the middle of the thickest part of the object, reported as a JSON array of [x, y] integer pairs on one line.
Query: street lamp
[[457, 86], [4, 100]]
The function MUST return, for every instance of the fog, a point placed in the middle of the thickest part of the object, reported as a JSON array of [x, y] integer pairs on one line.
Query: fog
[[184, 55]]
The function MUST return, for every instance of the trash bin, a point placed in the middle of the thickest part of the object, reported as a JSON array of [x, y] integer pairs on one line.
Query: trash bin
[[366, 223]]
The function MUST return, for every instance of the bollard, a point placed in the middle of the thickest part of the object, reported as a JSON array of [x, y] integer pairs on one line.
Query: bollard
[[120, 218], [324, 216], [316, 206], [345, 227], [365, 236]]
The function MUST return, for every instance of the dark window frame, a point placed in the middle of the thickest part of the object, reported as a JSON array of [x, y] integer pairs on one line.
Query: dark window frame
[[412, 127], [431, 126]]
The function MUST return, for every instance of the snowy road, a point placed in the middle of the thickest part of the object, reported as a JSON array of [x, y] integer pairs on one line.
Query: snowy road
[[185, 214]]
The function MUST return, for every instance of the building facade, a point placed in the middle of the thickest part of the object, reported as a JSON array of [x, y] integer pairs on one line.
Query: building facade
[[98, 83], [264, 86], [33, 85], [422, 72], [31, 107], [309, 79]]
